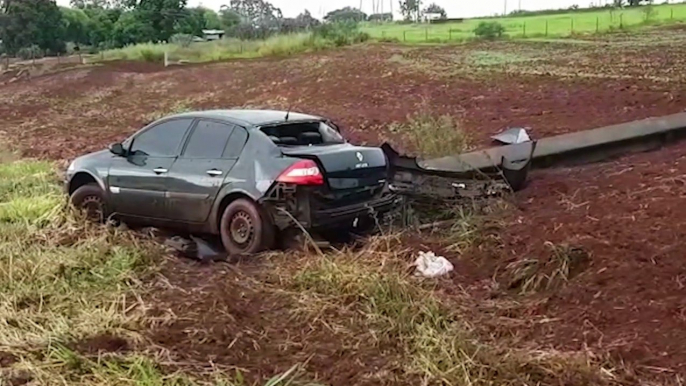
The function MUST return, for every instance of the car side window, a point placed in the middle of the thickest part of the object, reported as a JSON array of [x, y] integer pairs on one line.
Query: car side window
[[162, 140], [236, 143], [208, 140]]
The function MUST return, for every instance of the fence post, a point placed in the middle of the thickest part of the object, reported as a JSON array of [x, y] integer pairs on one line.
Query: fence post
[[166, 58], [450, 34], [621, 22], [597, 24], [524, 29], [572, 27], [426, 34], [546, 28], [671, 13], [405, 36]]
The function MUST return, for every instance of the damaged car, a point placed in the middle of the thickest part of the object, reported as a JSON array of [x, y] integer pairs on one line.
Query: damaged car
[[245, 175]]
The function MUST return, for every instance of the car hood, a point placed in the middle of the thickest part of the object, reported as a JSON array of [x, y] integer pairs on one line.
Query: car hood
[[91, 161]]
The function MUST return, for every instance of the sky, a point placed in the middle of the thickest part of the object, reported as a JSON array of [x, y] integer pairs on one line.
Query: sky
[[454, 8]]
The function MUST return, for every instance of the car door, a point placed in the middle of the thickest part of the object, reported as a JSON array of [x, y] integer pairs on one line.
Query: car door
[[138, 181], [211, 151]]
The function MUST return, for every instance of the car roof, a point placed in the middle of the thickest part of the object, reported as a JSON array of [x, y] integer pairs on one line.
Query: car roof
[[251, 117]]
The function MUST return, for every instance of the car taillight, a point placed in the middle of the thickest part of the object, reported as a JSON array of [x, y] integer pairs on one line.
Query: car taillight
[[303, 172]]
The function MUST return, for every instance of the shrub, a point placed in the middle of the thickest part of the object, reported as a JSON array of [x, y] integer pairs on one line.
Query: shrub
[[341, 34], [30, 52], [489, 30]]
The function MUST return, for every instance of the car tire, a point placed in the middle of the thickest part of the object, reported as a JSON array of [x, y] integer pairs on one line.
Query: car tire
[[91, 199], [245, 229]]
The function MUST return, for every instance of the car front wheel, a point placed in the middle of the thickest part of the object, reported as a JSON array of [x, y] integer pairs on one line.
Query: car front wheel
[[90, 199], [244, 229]]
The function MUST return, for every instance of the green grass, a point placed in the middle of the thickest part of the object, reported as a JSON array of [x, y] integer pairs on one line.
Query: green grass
[[280, 45], [63, 280], [551, 26]]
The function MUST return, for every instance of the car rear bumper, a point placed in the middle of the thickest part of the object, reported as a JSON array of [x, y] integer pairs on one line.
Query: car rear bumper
[[288, 204], [347, 215]]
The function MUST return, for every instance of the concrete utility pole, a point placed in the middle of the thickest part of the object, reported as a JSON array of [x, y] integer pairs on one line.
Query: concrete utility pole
[[505, 8]]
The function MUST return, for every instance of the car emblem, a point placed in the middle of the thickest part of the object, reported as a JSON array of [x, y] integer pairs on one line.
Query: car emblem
[[359, 156]]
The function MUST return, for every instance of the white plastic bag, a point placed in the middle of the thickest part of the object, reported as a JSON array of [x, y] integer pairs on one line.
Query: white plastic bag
[[430, 265]]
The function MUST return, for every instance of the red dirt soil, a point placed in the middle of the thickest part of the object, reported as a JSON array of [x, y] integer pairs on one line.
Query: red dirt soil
[[629, 303], [219, 315], [63, 115], [628, 214]]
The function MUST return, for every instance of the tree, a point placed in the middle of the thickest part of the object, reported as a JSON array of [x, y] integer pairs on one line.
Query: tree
[[101, 23], [411, 9], [302, 22], [26, 23], [160, 17], [76, 24], [435, 8], [256, 11], [228, 17], [346, 14], [211, 19]]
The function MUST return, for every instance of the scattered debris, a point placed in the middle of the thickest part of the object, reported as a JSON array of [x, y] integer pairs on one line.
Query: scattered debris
[[430, 265], [512, 136], [196, 248]]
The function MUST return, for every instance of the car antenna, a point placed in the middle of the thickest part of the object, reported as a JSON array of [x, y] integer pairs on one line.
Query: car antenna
[[288, 113]]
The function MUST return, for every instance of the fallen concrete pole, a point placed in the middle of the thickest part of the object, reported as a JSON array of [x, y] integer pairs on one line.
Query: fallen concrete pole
[[511, 163], [573, 148]]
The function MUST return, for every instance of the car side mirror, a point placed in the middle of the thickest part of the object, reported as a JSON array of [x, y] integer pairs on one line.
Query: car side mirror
[[117, 149]]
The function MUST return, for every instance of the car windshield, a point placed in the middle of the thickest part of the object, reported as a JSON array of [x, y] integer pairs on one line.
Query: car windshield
[[303, 134]]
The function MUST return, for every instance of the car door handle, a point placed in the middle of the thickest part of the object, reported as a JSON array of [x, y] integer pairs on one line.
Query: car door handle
[[160, 170], [214, 172]]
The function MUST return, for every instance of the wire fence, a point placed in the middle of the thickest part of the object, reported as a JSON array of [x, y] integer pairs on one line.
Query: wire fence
[[529, 27]]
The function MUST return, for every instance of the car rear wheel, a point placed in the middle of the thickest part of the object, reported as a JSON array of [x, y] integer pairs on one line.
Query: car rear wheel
[[245, 230], [90, 199]]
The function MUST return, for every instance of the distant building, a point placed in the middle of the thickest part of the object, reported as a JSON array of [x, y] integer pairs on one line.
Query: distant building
[[212, 34], [429, 17]]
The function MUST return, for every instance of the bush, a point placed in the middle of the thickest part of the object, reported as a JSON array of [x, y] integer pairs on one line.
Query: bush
[[341, 34], [30, 52], [489, 30]]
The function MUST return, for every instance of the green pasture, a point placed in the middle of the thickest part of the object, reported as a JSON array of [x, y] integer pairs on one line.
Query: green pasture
[[553, 26]]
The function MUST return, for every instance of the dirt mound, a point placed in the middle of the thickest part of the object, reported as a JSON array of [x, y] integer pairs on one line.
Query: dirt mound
[[134, 66]]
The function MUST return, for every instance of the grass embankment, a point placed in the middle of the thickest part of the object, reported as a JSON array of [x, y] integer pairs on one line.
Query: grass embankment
[[279, 45], [550, 26], [70, 313], [63, 283]]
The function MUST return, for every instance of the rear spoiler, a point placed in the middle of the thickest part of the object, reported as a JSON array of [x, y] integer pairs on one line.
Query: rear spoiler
[[509, 163]]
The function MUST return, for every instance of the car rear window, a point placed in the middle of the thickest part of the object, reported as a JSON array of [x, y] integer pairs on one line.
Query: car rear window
[[303, 134]]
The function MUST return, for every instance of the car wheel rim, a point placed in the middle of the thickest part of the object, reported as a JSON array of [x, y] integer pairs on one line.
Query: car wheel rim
[[242, 229], [93, 207]]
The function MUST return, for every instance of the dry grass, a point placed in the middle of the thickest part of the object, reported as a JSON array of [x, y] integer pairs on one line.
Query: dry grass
[[559, 265], [433, 136], [372, 289]]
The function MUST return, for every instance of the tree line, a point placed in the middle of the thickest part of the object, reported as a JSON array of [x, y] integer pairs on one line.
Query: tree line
[[41, 25]]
